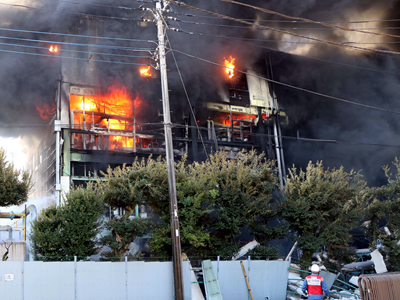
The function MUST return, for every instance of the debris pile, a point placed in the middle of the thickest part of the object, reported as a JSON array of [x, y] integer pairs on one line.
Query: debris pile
[[295, 282]]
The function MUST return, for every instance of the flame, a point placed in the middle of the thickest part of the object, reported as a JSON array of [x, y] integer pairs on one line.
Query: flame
[[46, 111], [116, 101], [90, 105], [53, 49], [145, 72], [230, 66]]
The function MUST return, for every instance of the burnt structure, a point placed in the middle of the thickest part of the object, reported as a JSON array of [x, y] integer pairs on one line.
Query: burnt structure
[[100, 123]]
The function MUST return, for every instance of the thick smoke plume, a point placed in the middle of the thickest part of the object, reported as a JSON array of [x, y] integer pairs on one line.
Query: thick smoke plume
[[364, 77]]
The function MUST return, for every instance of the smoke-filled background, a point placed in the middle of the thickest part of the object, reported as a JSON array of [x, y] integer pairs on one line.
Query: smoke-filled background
[[367, 77]]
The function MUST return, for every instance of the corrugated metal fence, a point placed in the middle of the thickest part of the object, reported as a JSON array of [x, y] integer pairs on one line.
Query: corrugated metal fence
[[133, 280], [380, 286]]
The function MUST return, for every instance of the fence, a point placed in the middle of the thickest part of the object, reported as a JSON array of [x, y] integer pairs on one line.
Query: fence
[[380, 286], [134, 280]]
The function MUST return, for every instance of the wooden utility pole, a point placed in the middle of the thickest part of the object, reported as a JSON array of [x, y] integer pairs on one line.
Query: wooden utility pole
[[175, 235]]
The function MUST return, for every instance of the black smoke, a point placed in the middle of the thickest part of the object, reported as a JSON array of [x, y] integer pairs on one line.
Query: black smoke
[[28, 81]]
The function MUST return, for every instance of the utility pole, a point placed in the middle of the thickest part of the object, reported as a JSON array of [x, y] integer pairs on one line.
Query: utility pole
[[175, 234]]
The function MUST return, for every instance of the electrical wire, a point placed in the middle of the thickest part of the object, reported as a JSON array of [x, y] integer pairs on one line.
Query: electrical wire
[[76, 35], [81, 45], [76, 58], [295, 138], [187, 98], [243, 40], [177, 125], [287, 28], [101, 5], [293, 21], [291, 86], [309, 20], [191, 31], [69, 12], [287, 32], [77, 51]]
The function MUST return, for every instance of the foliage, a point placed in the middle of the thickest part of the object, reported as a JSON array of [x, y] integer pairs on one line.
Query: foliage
[[127, 187], [322, 206], [121, 233], [383, 210], [15, 185], [217, 199], [69, 230], [133, 185]]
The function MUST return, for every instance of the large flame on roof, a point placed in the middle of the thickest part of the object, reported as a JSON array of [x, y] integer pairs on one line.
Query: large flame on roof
[[230, 66]]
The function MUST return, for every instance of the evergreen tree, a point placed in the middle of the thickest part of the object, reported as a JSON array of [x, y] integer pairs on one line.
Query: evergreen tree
[[322, 206], [217, 200], [15, 185], [383, 215], [69, 230]]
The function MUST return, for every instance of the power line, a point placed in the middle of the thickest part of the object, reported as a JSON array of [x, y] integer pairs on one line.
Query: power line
[[187, 97], [77, 51], [287, 32], [243, 40], [292, 21], [190, 31], [77, 58], [102, 5], [287, 28], [177, 125], [69, 12], [295, 138], [293, 87], [309, 21], [81, 45], [77, 35]]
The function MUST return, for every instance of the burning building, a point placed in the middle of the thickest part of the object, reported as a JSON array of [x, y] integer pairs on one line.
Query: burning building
[[101, 120]]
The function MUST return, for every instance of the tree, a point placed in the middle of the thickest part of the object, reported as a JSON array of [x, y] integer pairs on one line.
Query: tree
[[15, 185], [321, 206], [383, 215], [125, 188], [217, 200], [69, 230]]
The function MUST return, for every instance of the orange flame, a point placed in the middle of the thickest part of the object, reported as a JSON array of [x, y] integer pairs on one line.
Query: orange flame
[[145, 72], [53, 49], [230, 66], [115, 101], [46, 111]]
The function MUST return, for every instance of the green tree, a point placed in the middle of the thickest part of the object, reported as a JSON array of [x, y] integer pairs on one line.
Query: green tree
[[217, 200], [383, 210], [69, 230], [240, 192], [15, 185], [321, 206], [125, 188]]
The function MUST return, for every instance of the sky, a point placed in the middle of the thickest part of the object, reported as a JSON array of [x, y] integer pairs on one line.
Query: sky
[[15, 149], [343, 133]]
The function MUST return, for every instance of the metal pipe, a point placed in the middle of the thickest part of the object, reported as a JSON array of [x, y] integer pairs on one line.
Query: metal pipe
[[84, 124]]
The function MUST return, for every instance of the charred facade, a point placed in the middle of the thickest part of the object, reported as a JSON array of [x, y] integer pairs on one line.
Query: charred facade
[[109, 122]]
